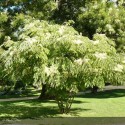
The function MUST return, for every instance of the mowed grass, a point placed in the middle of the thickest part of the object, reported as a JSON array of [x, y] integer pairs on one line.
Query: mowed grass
[[110, 103]]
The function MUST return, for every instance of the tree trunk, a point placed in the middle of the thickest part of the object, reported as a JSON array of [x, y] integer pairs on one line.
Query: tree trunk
[[94, 89], [43, 92]]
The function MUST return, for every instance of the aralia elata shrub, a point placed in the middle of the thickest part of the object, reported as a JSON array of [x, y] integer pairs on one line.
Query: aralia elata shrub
[[61, 58]]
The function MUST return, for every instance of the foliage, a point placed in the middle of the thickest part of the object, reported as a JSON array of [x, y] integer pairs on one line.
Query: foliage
[[42, 9], [108, 20], [3, 20], [95, 16]]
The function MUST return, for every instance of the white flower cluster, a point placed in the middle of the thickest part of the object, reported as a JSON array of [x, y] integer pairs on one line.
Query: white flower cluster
[[81, 61], [103, 1], [85, 60], [31, 40], [95, 42], [50, 70], [117, 20], [101, 55], [48, 35], [123, 61], [95, 70], [110, 28], [78, 42], [61, 30], [102, 35], [29, 26], [13, 51], [83, 9], [95, 6], [110, 9], [119, 68], [7, 38]]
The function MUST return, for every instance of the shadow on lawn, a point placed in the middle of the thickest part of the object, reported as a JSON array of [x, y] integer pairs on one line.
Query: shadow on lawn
[[115, 93], [31, 109], [26, 93]]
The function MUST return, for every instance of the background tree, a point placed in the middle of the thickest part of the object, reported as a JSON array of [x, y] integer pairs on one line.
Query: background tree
[[109, 20], [97, 16]]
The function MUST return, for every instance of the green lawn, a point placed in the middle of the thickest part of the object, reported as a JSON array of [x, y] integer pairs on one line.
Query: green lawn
[[104, 104]]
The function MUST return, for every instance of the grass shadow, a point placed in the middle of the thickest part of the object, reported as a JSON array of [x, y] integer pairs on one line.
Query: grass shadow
[[75, 111], [115, 93], [25, 93], [27, 109], [32, 109]]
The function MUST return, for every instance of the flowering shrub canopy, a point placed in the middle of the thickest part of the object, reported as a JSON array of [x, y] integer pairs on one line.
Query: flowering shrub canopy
[[60, 57]]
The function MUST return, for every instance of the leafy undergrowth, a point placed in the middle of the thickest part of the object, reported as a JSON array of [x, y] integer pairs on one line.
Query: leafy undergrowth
[[110, 103], [28, 92]]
